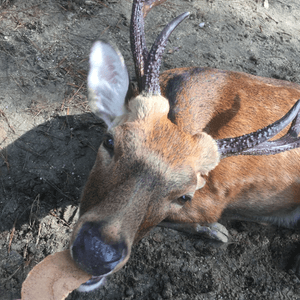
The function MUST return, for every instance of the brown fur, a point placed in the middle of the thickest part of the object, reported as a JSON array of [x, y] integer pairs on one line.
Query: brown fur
[[161, 155], [228, 104]]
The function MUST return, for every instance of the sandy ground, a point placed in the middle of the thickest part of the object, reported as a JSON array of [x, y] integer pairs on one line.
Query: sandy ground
[[49, 139]]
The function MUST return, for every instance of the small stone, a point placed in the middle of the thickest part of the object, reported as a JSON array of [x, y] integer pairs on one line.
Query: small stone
[[266, 4], [129, 292], [157, 237], [167, 292], [32, 248]]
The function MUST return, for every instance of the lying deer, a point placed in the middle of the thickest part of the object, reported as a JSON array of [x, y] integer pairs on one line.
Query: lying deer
[[184, 152]]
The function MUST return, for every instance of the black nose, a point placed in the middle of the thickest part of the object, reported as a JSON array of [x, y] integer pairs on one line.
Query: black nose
[[93, 254]]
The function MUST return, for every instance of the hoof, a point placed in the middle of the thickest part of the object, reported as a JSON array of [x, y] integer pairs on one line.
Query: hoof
[[215, 231]]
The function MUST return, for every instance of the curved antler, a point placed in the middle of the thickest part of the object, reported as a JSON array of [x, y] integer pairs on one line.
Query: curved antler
[[257, 143], [155, 55], [147, 65], [138, 42]]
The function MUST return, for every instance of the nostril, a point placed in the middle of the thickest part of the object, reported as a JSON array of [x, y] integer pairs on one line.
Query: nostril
[[93, 254]]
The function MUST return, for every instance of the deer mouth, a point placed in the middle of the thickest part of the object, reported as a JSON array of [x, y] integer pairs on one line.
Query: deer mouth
[[97, 281], [94, 283]]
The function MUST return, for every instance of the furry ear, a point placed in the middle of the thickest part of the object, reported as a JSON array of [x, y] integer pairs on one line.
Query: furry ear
[[200, 182], [107, 82], [209, 156]]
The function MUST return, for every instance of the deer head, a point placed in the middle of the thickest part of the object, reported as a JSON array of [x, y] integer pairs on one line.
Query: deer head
[[147, 167]]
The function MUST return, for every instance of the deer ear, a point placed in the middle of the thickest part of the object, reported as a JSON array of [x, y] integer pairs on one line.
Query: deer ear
[[107, 82], [200, 182], [209, 156]]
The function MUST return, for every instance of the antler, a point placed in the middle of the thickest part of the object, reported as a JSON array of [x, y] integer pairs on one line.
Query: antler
[[257, 143], [147, 65]]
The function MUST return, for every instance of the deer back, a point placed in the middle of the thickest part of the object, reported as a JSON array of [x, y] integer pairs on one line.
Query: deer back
[[227, 104]]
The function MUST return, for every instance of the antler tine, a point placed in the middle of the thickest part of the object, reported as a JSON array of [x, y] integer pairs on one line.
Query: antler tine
[[287, 142], [140, 9], [147, 65], [256, 143], [155, 55], [137, 40]]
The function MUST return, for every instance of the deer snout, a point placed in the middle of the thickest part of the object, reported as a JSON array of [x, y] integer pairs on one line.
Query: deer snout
[[95, 252]]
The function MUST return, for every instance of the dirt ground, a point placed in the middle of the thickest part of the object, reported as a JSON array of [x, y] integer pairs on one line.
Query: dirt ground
[[49, 139]]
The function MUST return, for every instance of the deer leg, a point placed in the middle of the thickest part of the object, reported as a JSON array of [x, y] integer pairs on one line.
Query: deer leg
[[214, 231]]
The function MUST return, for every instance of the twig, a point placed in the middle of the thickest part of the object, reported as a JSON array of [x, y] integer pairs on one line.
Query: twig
[[5, 158], [12, 235], [25, 250], [39, 234], [100, 2], [117, 25], [63, 104], [76, 93], [18, 84], [11, 276], [62, 7], [57, 189], [60, 219], [3, 114], [19, 11], [27, 149], [104, 30], [37, 202], [271, 18], [35, 46], [61, 62], [48, 134]]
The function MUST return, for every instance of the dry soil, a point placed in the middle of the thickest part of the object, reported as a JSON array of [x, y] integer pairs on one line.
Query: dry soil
[[49, 139]]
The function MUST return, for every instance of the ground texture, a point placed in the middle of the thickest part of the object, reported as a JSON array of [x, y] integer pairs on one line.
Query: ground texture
[[49, 139]]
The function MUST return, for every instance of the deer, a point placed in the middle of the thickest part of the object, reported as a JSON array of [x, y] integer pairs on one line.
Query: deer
[[186, 148]]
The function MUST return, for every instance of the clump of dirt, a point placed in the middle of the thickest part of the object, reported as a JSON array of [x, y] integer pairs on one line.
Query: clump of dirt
[[49, 140]]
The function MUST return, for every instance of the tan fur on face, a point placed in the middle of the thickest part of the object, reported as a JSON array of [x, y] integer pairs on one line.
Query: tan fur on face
[[177, 158], [164, 137]]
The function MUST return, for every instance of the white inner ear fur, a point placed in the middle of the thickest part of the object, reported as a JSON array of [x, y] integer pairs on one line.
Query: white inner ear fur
[[107, 82]]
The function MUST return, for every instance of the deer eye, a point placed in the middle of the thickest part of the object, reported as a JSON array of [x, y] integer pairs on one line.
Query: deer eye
[[108, 142], [185, 198]]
